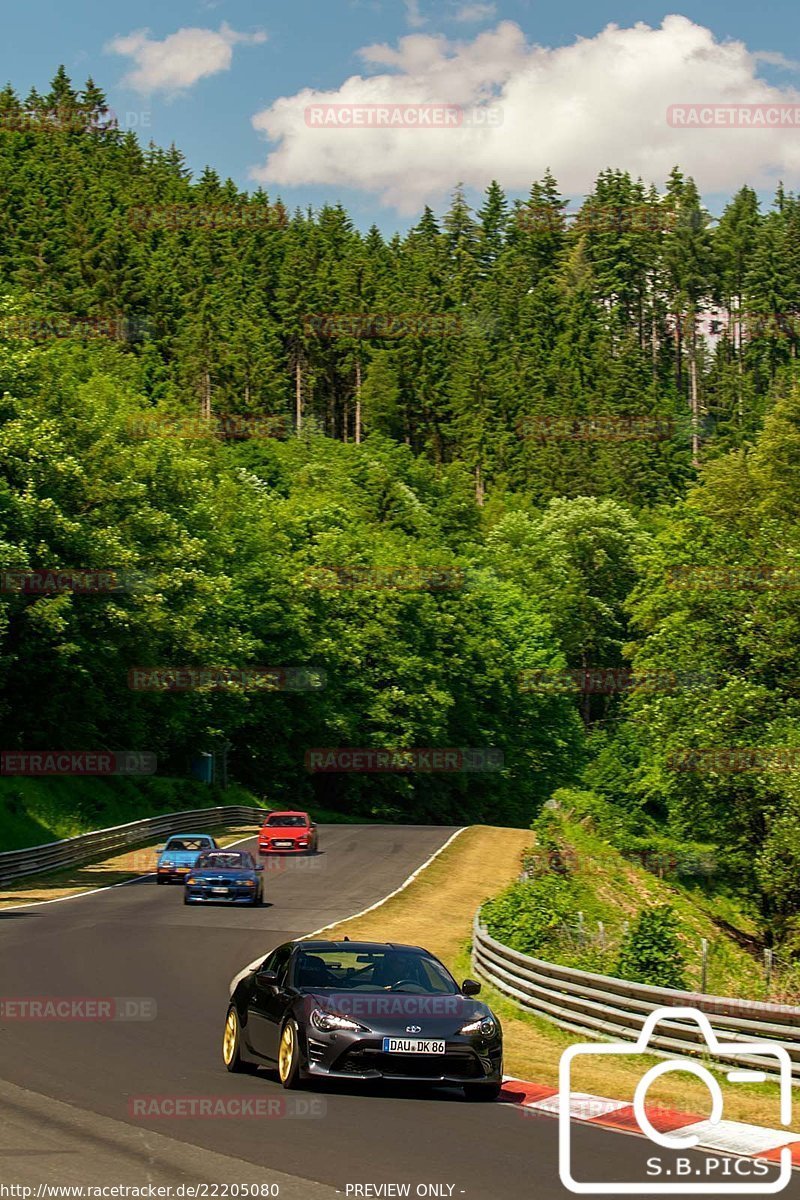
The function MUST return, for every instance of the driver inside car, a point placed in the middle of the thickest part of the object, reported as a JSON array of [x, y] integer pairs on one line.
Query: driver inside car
[[393, 969]]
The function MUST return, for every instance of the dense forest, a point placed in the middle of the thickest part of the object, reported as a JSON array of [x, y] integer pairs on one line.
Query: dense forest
[[446, 471]]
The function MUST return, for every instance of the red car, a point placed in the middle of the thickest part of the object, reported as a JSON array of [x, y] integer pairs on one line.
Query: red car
[[288, 833]]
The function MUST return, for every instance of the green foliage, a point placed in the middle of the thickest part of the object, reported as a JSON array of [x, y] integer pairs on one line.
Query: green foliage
[[778, 866], [227, 544], [542, 317], [716, 604], [651, 953], [34, 812], [637, 837], [529, 916], [601, 892], [494, 437]]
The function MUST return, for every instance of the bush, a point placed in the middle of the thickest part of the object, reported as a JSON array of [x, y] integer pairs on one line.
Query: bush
[[778, 864], [651, 952], [634, 835], [530, 916], [670, 858]]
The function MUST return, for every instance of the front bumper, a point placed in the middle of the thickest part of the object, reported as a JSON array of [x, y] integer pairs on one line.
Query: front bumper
[[234, 895], [350, 1056], [286, 847]]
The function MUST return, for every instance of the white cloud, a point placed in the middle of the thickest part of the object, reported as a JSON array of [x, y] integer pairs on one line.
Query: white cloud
[[181, 59], [469, 13], [776, 59], [414, 16], [599, 102]]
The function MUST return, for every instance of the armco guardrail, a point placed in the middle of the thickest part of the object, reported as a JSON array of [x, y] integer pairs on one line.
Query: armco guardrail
[[599, 1006], [14, 864]]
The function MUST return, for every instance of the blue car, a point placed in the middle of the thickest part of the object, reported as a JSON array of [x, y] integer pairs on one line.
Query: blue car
[[179, 855], [226, 877]]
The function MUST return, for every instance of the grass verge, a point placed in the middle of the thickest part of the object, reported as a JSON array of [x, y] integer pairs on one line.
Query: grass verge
[[606, 887], [35, 811]]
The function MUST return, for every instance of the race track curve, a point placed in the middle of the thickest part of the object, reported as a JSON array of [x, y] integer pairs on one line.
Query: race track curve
[[140, 941]]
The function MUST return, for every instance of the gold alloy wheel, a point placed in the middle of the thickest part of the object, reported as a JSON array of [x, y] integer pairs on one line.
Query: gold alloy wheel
[[286, 1052], [230, 1037]]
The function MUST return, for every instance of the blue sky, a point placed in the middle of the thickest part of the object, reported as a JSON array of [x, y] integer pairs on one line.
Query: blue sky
[[570, 105]]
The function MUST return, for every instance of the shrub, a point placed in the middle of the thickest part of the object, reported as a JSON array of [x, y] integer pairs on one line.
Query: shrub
[[529, 916], [651, 952]]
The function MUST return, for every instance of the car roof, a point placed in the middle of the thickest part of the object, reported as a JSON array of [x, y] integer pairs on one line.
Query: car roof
[[287, 812], [361, 947], [190, 835]]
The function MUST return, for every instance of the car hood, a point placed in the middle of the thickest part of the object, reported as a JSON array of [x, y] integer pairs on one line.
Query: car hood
[[285, 831], [399, 1012]]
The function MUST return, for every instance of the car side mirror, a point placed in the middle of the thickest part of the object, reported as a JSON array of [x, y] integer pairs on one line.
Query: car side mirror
[[470, 987], [259, 866], [160, 849], [267, 978]]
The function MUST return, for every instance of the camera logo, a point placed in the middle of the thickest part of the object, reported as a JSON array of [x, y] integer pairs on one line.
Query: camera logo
[[676, 1140]]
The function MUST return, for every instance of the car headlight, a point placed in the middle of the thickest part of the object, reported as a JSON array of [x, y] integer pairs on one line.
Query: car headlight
[[191, 880], [327, 1022], [166, 863], [249, 882], [485, 1026]]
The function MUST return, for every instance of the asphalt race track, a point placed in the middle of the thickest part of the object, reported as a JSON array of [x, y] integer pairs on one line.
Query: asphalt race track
[[140, 941]]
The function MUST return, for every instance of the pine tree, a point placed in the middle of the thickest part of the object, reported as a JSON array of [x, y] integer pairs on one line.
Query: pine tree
[[689, 267], [493, 221]]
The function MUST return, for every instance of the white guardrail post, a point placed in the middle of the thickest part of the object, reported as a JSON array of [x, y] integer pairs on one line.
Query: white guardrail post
[[15, 864], [601, 1007]]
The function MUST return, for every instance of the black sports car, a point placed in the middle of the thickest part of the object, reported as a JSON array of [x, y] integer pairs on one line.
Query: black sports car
[[361, 1011], [225, 876]]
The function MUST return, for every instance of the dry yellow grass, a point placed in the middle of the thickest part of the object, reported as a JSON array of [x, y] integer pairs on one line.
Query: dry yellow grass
[[437, 910], [85, 877]]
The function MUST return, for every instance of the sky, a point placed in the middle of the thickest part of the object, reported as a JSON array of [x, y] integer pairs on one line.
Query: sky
[[385, 105]]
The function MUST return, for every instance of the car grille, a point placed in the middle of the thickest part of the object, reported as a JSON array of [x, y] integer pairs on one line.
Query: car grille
[[360, 1061]]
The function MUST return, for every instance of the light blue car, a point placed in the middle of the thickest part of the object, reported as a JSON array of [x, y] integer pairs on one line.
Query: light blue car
[[179, 855]]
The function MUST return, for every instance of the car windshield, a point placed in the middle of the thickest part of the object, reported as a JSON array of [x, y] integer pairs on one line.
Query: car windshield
[[178, 844], [217, 861], [294, 820], [373, 970]]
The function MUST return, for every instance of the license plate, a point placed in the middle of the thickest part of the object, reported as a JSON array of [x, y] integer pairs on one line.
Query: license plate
[[284, 845], [412, 1046], [220, 891]]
